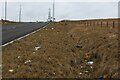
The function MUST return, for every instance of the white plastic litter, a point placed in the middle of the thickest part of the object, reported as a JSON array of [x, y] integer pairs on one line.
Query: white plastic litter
[[91, 67], [19, 57], [86, 71], [80, 73], [37, 48], [52, 28], [54, 73], [11, 70], [90, 62], [28, 61], [81, 66]]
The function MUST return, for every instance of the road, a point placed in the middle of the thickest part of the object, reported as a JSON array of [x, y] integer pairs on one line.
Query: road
[[14, 31]]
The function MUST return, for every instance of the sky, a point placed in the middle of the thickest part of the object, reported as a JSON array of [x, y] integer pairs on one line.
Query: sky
[[37, 10]]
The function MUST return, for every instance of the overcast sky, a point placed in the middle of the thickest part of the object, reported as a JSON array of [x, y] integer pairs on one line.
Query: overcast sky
[[71, 9]]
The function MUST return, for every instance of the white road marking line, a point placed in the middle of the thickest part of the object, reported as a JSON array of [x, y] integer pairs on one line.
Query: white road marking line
[[23, 36]]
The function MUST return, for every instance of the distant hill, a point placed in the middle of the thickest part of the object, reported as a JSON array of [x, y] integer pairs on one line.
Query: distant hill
[[7, 21], [91, 20]]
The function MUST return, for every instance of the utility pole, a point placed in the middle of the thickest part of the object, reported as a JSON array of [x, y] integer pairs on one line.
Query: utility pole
[[20, 14], [49, 15], [53, 10], [5, 9]]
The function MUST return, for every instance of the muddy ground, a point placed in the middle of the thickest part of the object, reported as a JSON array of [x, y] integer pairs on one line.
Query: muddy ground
[[64, 50]]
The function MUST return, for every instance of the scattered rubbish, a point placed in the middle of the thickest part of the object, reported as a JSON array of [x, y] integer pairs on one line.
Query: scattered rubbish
[[81, 67], [86, 71], [90, 62], [54, 73], [37, 48], [28, 61], [91, 67], [19, 57], [80, 73], [52, 28], [11, 70]]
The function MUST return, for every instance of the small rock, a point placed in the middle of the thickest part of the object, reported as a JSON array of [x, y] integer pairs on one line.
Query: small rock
[[91, 67], [33, 52]]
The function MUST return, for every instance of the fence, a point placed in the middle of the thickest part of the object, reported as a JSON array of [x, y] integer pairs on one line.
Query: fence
[[100, 23]]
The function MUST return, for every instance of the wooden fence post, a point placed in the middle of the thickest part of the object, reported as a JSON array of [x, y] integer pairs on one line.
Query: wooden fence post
[[107, 23], [113, 24], [101, 24], [97, 23]]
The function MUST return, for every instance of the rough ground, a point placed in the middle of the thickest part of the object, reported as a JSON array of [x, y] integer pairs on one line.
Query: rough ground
[[64, 50]]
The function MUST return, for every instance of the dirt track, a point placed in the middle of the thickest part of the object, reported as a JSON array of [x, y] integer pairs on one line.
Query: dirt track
[[63, 50]]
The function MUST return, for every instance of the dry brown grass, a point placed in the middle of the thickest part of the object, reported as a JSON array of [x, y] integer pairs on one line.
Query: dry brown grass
[[64, 50]]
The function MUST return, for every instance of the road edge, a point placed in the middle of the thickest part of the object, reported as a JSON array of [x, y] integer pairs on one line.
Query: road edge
[[24, 36]]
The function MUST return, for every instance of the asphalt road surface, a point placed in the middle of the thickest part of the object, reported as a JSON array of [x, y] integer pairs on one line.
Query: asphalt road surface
[[14, 31]]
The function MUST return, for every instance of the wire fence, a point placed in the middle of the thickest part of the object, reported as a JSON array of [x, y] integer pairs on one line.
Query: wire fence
[[109, 24]]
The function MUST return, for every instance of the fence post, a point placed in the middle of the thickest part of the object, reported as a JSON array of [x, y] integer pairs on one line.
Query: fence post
[[107, 23], [97, 23], [113, 24], [93, 23], [101, 23]]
